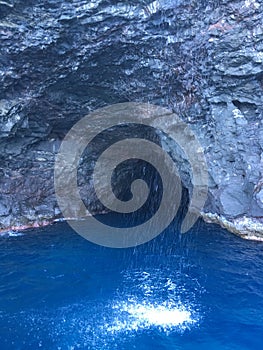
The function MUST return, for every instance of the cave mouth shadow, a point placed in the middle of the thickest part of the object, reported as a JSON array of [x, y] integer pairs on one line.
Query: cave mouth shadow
[[152, 203], [122, 178]]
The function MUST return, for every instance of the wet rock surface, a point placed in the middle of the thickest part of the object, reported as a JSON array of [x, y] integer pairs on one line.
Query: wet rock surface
[[59, 60]]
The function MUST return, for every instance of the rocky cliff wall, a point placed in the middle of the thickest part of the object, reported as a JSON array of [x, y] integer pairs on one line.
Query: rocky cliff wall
[[59, 60]]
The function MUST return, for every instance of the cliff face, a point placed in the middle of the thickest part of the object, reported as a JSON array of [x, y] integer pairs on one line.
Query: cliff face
[[202, 59]]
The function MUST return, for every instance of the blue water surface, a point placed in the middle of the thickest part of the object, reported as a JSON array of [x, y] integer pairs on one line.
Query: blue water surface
[[202, 290]]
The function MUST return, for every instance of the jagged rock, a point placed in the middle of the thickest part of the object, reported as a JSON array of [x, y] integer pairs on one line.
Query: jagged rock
[[61, 59], [259, 197], [235, 198]]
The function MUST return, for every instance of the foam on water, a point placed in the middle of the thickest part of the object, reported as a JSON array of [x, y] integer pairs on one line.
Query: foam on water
[[152, 300], [11, 234]]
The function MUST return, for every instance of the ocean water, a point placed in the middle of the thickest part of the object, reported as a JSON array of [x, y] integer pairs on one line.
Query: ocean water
[[202, 290]]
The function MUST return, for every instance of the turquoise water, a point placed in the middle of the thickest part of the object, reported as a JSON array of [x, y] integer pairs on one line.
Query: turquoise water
[[203, 290]]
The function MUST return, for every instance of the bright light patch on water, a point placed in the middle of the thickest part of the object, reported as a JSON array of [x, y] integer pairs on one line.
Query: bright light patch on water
[[134, 316]]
